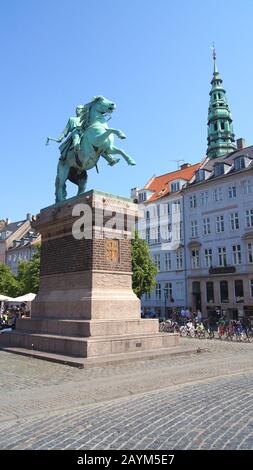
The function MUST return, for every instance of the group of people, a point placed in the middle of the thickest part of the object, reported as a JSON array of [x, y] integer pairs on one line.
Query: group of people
[[9, 317]]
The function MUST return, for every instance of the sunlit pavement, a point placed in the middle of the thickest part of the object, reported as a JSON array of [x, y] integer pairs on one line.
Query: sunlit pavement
[[191, 401]]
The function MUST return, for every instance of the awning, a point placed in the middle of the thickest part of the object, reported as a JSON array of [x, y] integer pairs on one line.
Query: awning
[[5, 298], [25, 298]]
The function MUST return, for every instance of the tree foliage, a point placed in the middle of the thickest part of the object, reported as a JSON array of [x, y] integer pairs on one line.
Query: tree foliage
[[9, 284], [144, 269], [28, 274], [27, 279]]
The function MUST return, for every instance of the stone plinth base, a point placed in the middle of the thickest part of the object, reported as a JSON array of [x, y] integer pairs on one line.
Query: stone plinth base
[[85, 307]]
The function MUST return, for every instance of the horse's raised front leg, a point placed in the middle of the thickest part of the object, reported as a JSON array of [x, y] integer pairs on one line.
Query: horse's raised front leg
[[115, 150], [61, 177], [101, 139]]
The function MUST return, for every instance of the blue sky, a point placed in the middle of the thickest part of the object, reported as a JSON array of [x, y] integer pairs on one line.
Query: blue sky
[[152, 58]]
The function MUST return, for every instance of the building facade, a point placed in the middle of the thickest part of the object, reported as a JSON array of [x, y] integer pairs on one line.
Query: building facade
[[162, 226], [218, 218], [22, 249], [199, 224], [17, 242]]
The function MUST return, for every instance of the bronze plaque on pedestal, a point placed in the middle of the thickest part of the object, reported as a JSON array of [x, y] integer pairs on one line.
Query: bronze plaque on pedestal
[[112, 250]]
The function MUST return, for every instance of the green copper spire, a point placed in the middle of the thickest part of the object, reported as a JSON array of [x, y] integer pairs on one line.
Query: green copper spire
[[220, 125]]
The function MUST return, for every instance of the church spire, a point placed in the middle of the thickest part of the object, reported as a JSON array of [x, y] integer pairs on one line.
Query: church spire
[[220, 125]]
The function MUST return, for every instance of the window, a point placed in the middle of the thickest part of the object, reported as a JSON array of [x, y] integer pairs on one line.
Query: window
[[222, 125], [168, 290], [176, 206], [251, 287], [208, 257], [234, 221], [237, 255], [155, 234], [232, 192], [148, 235], [209, 292], [219, 223], [246, 187], [168, 208], [167, 261], [218, 194], [166, 234], [224, 292], [148, 215], [204, 198], [194, 228], [195, 259], [157, 261], [239, 293], [206, 226], [177, 231], [179, 258], [249, 218], [179, 290], [250, 252], [158, 210], [175, 186], [200, 175], [169, 236], [158, 234], [142, 197], [158, 292], [193, 201], [222, 256], [219, 169], [240, 163], [147, 296]]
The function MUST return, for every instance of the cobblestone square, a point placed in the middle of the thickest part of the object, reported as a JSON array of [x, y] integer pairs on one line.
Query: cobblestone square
[[189, 401]]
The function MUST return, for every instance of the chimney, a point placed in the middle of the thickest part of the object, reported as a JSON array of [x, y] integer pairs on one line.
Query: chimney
[[185, 165], [7, 221], [241, 144], [134, 193], [28, 216]]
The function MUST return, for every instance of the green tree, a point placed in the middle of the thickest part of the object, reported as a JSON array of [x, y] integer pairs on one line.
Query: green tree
[[144, 269], [9, 284], [28, 274]]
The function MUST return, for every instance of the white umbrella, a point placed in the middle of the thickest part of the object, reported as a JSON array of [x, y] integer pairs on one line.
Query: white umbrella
[[5, 298], [25, 298]]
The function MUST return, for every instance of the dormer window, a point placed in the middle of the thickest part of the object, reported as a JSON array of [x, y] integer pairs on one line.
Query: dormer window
[[201, 175], [241, 162], [176, 186], [221, 169], [142, 197]]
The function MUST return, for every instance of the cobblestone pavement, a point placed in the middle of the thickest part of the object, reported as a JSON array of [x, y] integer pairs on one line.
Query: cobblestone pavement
[[181, 402]]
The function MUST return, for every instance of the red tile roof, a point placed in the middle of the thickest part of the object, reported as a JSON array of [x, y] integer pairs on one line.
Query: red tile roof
[[160, 186]]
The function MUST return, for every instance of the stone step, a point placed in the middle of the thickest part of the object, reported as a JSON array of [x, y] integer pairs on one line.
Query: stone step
[[101, 361], [85, 328], [88, 347]]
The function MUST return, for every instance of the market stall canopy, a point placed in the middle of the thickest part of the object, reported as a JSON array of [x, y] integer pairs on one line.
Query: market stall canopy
[[25, 298], [5, 298]]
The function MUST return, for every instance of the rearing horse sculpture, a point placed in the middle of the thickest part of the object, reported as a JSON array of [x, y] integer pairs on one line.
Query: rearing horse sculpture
[[96, 141]]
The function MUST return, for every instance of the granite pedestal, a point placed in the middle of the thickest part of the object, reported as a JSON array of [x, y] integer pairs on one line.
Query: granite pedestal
[[85, 307]]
